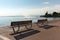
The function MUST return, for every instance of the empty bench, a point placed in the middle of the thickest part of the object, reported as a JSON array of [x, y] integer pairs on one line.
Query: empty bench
[[42, 22], [21, 24]]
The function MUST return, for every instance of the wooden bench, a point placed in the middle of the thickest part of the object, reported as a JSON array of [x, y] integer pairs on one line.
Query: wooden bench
[[21, 24], [42, 22]]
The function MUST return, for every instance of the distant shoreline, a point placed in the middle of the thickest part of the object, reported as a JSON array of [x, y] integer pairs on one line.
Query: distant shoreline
[[49, 17]]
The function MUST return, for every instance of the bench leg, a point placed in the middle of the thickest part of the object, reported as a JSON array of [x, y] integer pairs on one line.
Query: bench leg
[[18, 28], [13, 29]]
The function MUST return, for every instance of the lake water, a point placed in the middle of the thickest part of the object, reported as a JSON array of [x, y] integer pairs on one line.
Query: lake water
[[6, 21]]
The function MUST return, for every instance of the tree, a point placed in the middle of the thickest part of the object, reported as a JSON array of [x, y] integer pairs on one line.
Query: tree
[[55, 14], [59, 14], [46, 13]]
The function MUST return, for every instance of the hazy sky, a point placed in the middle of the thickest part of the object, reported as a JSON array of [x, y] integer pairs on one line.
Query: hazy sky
[[28, 7]]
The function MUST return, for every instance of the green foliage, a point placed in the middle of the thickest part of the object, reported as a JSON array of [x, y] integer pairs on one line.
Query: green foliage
[[46, 13], [54, 14]]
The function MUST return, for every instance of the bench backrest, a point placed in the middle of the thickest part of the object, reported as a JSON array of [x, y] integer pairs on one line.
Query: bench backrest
[[42, 20], [21, 22]]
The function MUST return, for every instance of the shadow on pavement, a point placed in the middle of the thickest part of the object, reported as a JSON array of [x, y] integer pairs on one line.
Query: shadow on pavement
[[48, 26], [26, 34]]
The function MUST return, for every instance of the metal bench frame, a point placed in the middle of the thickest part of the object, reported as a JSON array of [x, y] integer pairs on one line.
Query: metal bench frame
[[21, 23], [42, 22]]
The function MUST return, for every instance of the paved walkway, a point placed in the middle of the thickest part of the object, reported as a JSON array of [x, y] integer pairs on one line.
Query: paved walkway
[[52, 33], [4, 38]]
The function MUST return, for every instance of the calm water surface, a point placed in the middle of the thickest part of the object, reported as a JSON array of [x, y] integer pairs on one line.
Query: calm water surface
[[6, 21]]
